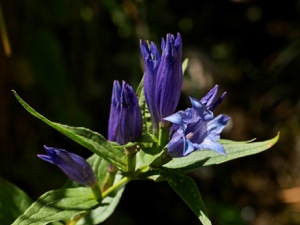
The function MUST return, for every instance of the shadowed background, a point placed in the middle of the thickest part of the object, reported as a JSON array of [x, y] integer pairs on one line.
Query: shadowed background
[[63, 55]]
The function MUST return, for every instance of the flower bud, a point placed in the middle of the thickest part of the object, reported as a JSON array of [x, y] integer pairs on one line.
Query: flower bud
[[74, 166], [125, 120], [163, 77]]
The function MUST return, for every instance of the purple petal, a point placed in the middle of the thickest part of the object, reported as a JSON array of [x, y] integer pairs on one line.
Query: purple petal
[[175, 118], [74, 166], [217, 124], [202, 110], [162, 78], [211, 145], [176, 146], [125, 121], [188, 148], [210, 97]]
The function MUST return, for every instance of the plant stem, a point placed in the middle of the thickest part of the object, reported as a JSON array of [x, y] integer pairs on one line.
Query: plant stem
[[97, 193], [163, 136], [120, 183], [110, 177], [131, 162]]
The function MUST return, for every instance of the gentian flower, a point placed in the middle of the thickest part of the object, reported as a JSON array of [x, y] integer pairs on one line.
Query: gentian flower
[[74, 166], [125, 120], [196, 128], [163, 77]]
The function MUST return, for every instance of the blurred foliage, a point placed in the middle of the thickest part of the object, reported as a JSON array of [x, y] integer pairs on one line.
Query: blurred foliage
[[65, 55]]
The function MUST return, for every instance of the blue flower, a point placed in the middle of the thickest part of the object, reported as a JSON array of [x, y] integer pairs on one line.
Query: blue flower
[[74, 166], [163, 77], [125, 120], [196, 128]]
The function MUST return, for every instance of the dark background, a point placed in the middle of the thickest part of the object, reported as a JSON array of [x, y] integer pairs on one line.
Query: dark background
[[65, 55]]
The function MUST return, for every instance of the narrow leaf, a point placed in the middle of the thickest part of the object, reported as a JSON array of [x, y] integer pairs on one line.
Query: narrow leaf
[[233, 149], [187, 189], [13, 202], [109, 204], [85, 137], [107, 207], [58, 205]]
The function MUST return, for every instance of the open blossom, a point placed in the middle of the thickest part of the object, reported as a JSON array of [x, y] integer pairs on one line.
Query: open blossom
[[196, 128], [125, 120], [163, 77], [74, 166]]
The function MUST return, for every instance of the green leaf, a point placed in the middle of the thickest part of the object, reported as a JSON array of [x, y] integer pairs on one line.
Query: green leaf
[[187, 189], [233, 149], [185, 65], [107, 207], [13, 202], [148, 152], [146, 156], [147, 125], [109, 203], [100, 168], [57, 205], [87, 138]]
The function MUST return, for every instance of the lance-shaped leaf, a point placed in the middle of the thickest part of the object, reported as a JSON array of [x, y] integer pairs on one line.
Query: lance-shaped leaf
[[58, 205], [108, 206], [87, 138], [187, 189], [233, 150], [13, 202]]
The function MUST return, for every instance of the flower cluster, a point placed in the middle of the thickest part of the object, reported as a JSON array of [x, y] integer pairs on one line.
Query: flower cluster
[[195, 128], [192, 129]]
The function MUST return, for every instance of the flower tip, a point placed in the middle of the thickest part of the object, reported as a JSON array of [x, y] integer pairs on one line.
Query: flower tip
[[46, 158], [223, 95], [223, 153], [50, 151], [178, 37], [226, 119]]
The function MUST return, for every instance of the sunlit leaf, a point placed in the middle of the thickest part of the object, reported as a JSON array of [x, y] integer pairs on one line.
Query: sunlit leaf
[[58, 205], [187, 189], [107, 207], [233, 149], [87, 138]]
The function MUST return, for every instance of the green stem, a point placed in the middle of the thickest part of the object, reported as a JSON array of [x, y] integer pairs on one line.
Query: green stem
[[163, 136], [120, 183], [110, 177], [131, 158], [97, 193], [131, 162]]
